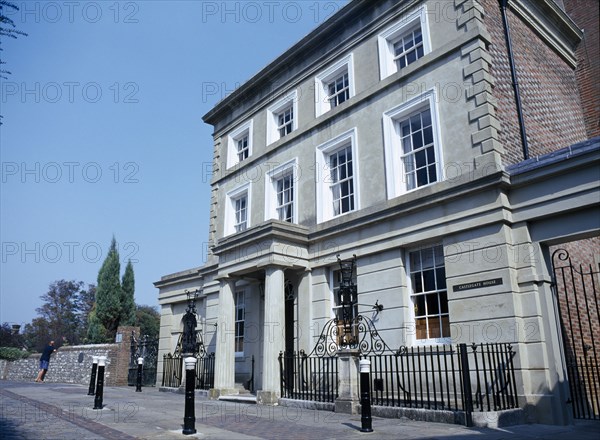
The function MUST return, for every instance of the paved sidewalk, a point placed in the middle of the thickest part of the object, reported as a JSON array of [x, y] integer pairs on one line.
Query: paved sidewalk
[[64, 411]]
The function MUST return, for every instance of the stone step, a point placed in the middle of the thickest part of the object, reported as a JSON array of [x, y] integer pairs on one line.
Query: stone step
[[239, 398]]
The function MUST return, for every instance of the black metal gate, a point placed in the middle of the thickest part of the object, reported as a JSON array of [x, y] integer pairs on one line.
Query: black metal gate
[[205, 366], [146, 348], [577, 292]]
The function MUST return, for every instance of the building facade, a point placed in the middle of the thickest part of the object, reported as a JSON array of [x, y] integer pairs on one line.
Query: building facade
[[394, 132]]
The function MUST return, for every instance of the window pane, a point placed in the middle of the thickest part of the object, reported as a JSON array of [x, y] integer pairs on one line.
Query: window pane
[[440, 275], [420, 159], [435, 328], [429, 280], [427, 258], [432, 174], [444, 301], [415, 261], [445, 327], [420, 309], [432, 304], [428, 136], [422, 177], [417, 283], [417, 140], [415, 123], [418, 36], [421, 328]]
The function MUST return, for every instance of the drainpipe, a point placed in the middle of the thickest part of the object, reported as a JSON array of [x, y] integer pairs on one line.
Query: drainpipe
[[513, 72]]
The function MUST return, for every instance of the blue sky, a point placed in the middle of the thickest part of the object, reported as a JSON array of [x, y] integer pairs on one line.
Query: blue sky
[[102, 132]]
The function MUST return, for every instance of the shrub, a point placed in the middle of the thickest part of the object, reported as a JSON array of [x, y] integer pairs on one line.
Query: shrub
[[12, 353]]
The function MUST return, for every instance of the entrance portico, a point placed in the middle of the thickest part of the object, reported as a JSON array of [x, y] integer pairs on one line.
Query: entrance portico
[[258, 269]]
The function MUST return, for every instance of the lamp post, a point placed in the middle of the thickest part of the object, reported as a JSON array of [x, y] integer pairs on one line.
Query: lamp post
[[100, 385], [189, 417], [138, 385], [92, 388], [365, 395], [189, 349], [348, 298]]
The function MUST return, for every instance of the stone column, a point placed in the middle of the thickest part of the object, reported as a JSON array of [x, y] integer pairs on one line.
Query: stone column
[[225, 346], [305, 341], [273, 337], [347, 402]]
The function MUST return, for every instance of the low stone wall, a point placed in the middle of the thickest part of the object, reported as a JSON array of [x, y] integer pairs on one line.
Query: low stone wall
[[68, 365], [73, 364]]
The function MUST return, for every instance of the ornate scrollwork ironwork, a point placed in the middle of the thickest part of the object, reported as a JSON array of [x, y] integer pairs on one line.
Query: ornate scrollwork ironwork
[[363, 337]]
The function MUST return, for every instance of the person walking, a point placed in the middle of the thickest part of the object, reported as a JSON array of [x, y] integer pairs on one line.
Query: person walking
[[45, 361]]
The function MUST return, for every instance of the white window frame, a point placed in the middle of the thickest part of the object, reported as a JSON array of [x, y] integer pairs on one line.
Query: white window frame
[[290, 100], [246, 129], [411, 294], [323, 79], [285, 169], [387, 38], [395, 172], [324, 196], [238, 293], [231, 197]]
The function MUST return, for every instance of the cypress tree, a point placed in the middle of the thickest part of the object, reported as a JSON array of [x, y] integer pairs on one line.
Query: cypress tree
[[96, 333], [108, 292], [127, 296]]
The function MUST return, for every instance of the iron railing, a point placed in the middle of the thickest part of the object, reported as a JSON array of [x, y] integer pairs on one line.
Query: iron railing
[[205, 372], [444, 377], [172, 371], [306, 377], [476, 377], [578, 296]]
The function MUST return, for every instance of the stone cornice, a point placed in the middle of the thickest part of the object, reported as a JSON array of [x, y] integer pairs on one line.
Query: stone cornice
[[269, 230], [195, 274], [259, 87], [441, 193], [552, 24]]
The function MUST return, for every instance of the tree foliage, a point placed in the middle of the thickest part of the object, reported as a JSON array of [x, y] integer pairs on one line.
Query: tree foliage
[[8, 29], [108, 292], [62, 316], [147, 319], [10, 337], [37, 334], [128, 311], [96, 333], [60, 310]]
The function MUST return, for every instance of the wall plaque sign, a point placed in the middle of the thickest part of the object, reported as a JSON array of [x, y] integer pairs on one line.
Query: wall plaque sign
[[477, 285]]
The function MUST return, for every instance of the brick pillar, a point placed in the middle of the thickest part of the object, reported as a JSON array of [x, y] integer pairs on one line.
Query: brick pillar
[[119, 367]]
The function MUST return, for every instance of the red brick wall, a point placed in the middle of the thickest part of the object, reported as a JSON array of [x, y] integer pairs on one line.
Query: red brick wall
[[550, 99], [586, 13]]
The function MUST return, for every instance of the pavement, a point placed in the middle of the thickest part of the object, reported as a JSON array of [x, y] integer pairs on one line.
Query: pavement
[[65, 411]]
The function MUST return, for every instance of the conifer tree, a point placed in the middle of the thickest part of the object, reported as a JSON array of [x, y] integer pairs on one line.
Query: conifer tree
[[108, 292], [96, 333], [127, 296]]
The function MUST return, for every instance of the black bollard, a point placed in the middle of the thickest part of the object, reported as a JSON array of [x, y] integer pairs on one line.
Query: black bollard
[[92, 389], [100, 384], [365, 396], [189, 417], [138, 385]]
